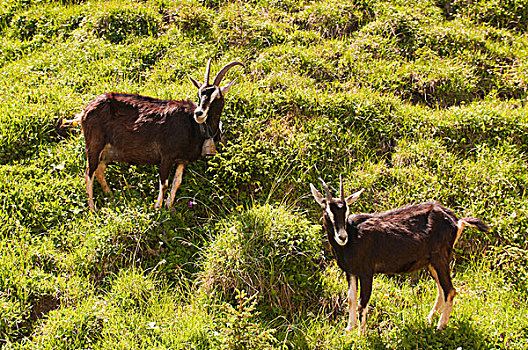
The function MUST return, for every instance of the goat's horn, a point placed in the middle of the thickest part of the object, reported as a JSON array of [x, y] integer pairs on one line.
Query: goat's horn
[[341, 192], [327, 191], [223, 71], [207, 71]]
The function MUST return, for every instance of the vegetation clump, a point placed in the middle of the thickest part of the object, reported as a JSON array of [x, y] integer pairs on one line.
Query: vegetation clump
[[266, 250]]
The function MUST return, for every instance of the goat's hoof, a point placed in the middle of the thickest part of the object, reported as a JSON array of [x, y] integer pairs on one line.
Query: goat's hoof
[[349, 328], [362, 329]]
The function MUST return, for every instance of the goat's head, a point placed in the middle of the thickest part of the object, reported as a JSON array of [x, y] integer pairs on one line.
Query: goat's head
[[209, 95], [335, 210]]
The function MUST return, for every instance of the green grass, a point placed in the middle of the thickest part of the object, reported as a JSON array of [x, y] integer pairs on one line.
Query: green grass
[[411, 100]]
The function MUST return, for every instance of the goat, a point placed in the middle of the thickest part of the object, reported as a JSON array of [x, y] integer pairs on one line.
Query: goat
[[394, 242], [136, 129]]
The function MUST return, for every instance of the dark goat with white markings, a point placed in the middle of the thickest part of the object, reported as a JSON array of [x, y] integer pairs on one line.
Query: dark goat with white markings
[[136, 129], [394, 242]]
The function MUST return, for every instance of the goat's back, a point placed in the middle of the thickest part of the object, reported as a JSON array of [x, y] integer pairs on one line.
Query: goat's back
[[404, 239], [141, 130]]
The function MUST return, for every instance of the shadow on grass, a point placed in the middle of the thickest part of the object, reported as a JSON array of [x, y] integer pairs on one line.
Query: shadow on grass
[[459, 334]]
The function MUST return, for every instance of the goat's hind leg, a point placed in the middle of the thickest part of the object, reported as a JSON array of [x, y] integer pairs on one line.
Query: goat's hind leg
[[99, 175], [352, 302], [176, 182], [439, 303], [92, 165], [163, 183], [449, 292]]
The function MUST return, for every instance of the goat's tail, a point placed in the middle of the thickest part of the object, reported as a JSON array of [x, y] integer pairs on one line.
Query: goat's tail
[[474, 222], [74, 122]]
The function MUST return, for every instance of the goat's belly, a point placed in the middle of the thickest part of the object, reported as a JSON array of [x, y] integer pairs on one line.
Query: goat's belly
[[141, 156], [402, 267]]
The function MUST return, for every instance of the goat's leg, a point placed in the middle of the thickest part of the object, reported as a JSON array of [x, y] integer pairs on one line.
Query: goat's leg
[[176, 182], [364, 297], [352, 302], [89, 188], [92, 165], [444, 277], [99, 175], [439, 303], [163, 182]]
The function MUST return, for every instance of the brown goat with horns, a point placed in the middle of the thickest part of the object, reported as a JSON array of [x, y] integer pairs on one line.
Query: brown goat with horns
[[136, 129], [394, 242]]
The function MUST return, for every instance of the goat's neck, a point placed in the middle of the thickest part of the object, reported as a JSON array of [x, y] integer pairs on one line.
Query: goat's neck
[[213, 119]]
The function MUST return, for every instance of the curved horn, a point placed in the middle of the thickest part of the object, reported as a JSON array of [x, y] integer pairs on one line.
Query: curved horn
[[327, 191], [341, 192], [207, 71], [223, 71]]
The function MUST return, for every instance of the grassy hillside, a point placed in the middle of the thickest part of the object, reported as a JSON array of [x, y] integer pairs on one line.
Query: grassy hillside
[[411, 100]]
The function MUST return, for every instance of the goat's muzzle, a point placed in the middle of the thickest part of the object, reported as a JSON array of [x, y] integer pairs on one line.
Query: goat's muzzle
[[341, 237], [200, 117]]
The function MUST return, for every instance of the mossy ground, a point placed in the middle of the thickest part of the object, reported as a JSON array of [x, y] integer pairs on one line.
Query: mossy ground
[[411, 100]]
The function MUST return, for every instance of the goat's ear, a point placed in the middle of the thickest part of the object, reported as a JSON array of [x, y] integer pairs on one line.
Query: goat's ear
[[317, 195], [226, 88], [352, 198], [197, 84]]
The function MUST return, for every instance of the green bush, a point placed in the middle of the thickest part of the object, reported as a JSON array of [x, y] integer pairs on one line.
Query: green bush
[[239, 25], [511, 14], [336, 18], [77, 327], [269, 251], [117, 23], [48, 22], [513, 262], [240, 329], [190, 17]]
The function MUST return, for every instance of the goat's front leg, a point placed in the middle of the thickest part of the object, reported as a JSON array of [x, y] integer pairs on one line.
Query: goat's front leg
[[176, 182], [364, 297], [163, 183], [352, 302]]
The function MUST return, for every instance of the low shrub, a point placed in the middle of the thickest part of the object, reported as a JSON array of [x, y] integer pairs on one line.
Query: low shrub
[[335, 18], [242, 26], [511, 14], [77, 327], [47, 22], [240, 328], [269, 251], [117, 23], [512, 261], [190, 17]]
